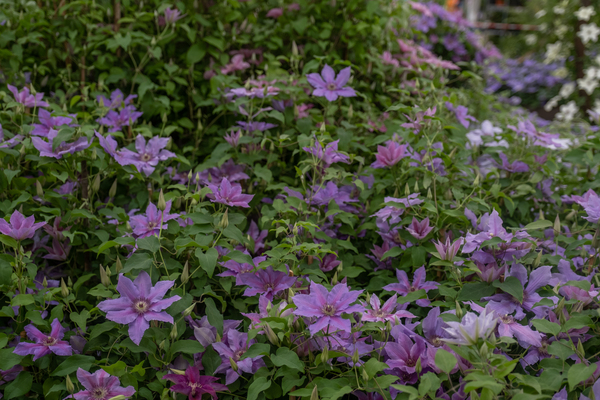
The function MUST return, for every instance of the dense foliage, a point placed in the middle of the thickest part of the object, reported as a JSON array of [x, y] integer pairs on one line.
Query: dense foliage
[[264, 200]]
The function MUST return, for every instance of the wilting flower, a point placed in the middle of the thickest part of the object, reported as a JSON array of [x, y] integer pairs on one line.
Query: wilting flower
[[231, 351], [229, 194], [150, 224], [329, 155], [139, 303], [389, 155], [327, 307], [100, 386], [404, 286], [472, 328], [44, 343], [388, 312], [46, 147], [267, 282], [448, 250], [233, 138], [28, 100], [419, 230], [48, 123], [328, 85], [148, 155], [194, 385], [20, 227]]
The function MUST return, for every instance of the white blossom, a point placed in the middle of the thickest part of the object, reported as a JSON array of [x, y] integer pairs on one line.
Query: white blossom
[[584, 13], [553, 52], [561, 72], [589, 33], [531, 39], [558, 10], [589, 84], [553, 102], [566, 90], [540, 13], [567, 112]]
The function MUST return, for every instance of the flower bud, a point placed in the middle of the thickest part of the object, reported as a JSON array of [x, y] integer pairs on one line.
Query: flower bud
[[162, 204], [355, 357], [118, 266], [64, 290], [323, 127], [45, 282], [314, 394], [459, 312], [542, 215], [476, 181], [340, 267], [185, 274], [365, 375], [419, 366], [271, 335], [103, 277], [572, 214], [188, 311], [334, 280], [69, 282], [177, 204], [233, 364], [69, 384], [94, 155], [325, 355], [112, 192], [95, 187], [416, 188], [217, 338], [429, 195], [174, 332], [556, 226], [38, 189], [406, 190], [483, 351], [224, 220], [294, 49], [350, 111], [108, 271], [537, 261]]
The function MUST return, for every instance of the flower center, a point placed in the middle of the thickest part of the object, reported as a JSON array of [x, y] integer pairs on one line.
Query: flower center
[[152, 225], [99, 393], [328, 310], [331, 86], [238, 354], [49, 341], [507, 319], [379, 313], [269, 286], [141, 306], [195, 386], [146, 157], [436, 341]]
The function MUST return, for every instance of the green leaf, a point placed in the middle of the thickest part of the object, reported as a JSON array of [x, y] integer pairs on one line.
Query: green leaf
[[123, 41], [445, 360], [257, 349], [208, 260], [19, 386], [539, 224], [11, 174], [80, 318], [258, 386], [373, 367], [578, 373], [141, 261], [7, 240], [546, 326], [288, 358], [416, 295], [64, 134], [263, 173], [72, 363], [22, 300], [8, 359], [214, 316], [562, 349], [512, 286], [117, 369], [187, 347], [150, 243], [393, 252]]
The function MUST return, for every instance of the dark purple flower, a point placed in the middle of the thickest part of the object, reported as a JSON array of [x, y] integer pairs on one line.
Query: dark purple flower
[[328, 155], [28, 100], [275, 13], [258, 236], [233, 138], [172, 16], [194, 385], [44, 343], [329, 262], [404, 286], [20, 227], [235, 347], [404, 353], [59, 250], [10, 374], [116, 100], [100, 386], [267, 282], [387, 312], [117, 120], [419, 230], [48, 123], [389, 155], [231, 195], [238, 269], [516, 166], [150, 223], [46, 150], [139, 303], [328, 85], [148, 155], [256, 126], [327, 307]]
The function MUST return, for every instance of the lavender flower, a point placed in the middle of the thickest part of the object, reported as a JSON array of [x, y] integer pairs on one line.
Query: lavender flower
[[237, 64], [46, 150], [472, 328], [388, 312], [172, 16], [148, 155], [238, 269], [237, 344], [256, 126], [193, 385], [48, 123], [328, 155], [44, 344], [231, 195], [116, 100], [517, 166], [20, 228], [28, 100], [233, 138], [100, 386], [419, 230], [389, 155], [404, 354], [267, 283], [328, 85], [404, 286], [448, 250], [461, 113], [139, 303], [150, 224], [117, 120], [206, 334], [327, 307]]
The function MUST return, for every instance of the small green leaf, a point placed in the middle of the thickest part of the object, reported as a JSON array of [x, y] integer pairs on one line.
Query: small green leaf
[[445, 360], [288, 358], [72, 363], [512, 286], [20, 386], [546, 326], [258, 386], [208, 260], [578, 373], [539, 224]]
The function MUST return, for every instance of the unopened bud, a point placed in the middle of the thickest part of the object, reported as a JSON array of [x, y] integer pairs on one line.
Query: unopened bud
[[217, 338], [537, 261], [406, 190], [355, 357], [69, 384], [557, 225], [118, 265], [162, 204], [271, 335], [233, 364], [350, 111], [340, 267], [572, 214], [429, 195], [69, 282], [580, 349], [325, 355], [323, 127], [177, 203], [161, 345], [103, 277], [96, 184], [224, 220], [112, 192], [459, 311], [416, 188], [365, 375], [64, 290], [174, 332], [419, 366], [334, 280], [185, 274], [483, 351], [476, 181], [38, 189], [94, 155], [45, 282], [314, 394], [108, 271], [294, 49], [188, 311], [542, 215]]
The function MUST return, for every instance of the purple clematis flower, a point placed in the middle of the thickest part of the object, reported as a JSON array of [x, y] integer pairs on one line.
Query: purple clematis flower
[[461, 113], [405, 353], [148, 155], [100, 386], [328, 85], [448, 250], [256, 126], [28, 100], [231, 195], [116, 100], [172, 16], [10, 374], [517, 166], [194, 385], [44, 343], [46, 150], [139, 303], [115, 121], [267, 282], [329, 262], [594, 393], [491, 226], [237, 345], [233, 138], [258, 236], [388, 312], [389, 155], [419, 230], [20, 227], [394, 212], [238, 269], [328, 155], [327, 307], [434, 328], [150, 224], [404, 286], [592, 208], [109, 144], [472, 328], [206, 334], [48, 123]]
